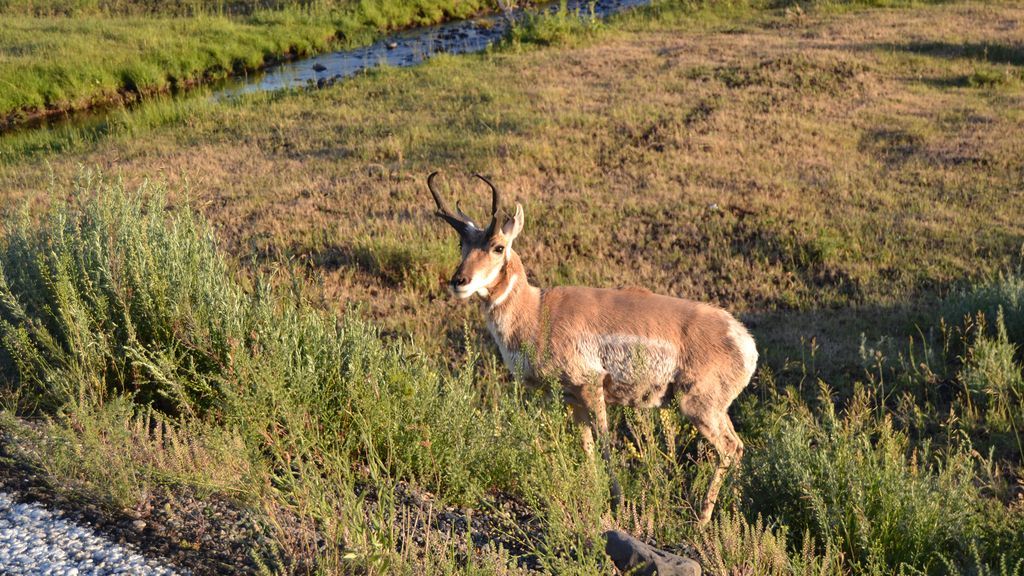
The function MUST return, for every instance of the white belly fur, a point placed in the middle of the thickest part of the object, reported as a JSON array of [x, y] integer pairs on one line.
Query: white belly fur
[[640, 368]]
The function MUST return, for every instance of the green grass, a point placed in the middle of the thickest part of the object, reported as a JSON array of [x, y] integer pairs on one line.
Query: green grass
[[251, 302], [146, 7], [94, 56], [68, 63]]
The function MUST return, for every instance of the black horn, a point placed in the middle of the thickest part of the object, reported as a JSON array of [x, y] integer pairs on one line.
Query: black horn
[[460, 222], [495, 205]]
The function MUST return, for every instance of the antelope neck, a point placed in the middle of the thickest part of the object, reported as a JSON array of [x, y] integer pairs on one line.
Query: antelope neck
[[507, 292], [512, 307]]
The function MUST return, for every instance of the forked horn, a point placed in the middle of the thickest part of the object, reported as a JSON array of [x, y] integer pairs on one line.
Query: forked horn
[[495, 205], [463, 215], [461, 222]]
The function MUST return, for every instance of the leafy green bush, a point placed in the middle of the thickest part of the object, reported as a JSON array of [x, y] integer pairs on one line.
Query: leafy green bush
[[861, 488], [117, 297], [1005, 293], [553, 28], [991, 376]]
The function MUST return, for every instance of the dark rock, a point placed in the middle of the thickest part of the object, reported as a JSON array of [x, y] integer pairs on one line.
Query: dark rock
[[632, 556], [318, 67]]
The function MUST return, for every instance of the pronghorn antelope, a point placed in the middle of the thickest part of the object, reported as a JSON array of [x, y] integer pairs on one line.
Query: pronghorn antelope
[[629, 347]]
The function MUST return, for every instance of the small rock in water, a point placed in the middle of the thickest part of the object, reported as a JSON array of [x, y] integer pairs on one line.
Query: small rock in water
[[392, 45], [318, 67]]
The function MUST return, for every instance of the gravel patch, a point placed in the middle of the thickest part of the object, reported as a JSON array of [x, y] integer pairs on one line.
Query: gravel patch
[[201, 534], [37, 541]]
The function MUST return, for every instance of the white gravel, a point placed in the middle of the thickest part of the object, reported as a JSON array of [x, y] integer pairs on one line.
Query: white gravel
[[34, 540]]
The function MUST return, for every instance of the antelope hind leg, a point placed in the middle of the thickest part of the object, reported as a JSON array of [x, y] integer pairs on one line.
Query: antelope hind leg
[[717, 428]]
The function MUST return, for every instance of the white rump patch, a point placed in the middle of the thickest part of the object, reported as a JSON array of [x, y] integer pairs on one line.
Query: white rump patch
[[745, 342]]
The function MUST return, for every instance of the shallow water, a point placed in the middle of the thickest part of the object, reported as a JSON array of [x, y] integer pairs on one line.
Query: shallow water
[[408, 48]]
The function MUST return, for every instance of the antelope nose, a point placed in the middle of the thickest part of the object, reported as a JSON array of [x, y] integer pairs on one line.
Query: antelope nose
[[459, 280]]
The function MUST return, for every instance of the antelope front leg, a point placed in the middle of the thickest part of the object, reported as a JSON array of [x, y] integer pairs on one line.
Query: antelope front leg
[[712, 496], [584, 420], [730, 451], [584, 423], [594, 397], [716, 427]]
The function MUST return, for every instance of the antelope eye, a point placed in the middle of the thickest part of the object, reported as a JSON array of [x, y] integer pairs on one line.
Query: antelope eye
[[499, 249]]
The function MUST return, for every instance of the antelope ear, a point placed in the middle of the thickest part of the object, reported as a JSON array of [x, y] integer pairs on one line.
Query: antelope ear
[[514, 225]]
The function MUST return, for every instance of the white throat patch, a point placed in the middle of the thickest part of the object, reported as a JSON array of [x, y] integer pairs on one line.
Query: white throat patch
[[508, 290]]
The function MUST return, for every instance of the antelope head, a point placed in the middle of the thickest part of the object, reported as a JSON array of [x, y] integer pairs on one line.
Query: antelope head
[[485, 251]]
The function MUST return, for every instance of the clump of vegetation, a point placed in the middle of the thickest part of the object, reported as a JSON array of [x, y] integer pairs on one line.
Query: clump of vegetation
[[559, 26], [411, 262], [861, 487], [994, 77]]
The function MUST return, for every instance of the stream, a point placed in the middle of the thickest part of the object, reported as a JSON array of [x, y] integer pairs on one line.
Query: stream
[[405, 48], [410, 47]]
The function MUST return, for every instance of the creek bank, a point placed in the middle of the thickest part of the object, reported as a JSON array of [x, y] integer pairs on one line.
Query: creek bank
[[217, 76], [129, 96]]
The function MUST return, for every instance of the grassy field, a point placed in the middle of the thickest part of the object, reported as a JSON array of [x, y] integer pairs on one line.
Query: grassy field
[[60, 56], [245, 297]]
